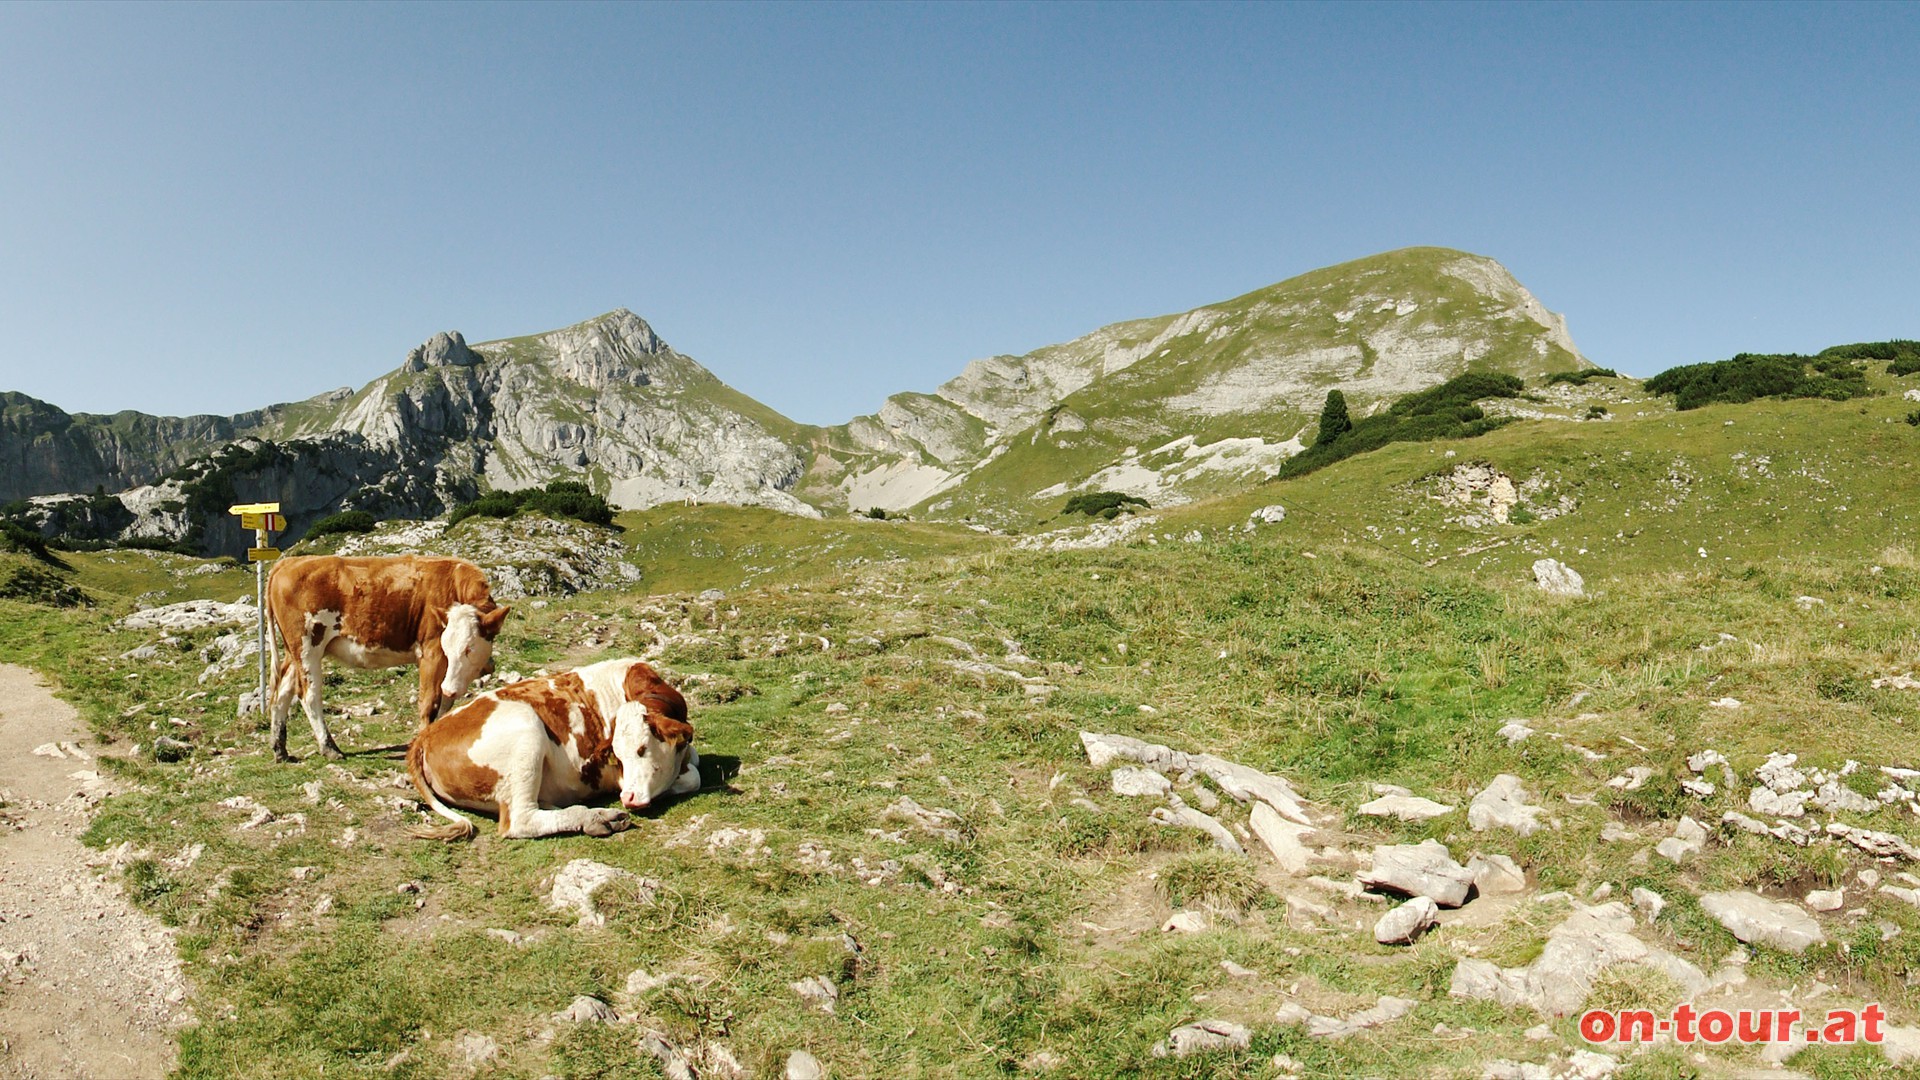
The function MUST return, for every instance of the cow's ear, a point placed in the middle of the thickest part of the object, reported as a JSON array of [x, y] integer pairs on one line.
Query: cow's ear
[[490, 622]]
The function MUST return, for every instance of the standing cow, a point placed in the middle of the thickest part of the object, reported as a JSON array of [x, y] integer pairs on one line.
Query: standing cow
[[532, 752], [377, 613]]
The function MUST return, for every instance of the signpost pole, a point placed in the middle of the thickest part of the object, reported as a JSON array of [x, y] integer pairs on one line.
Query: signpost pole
[[264, 519], [260, 614]]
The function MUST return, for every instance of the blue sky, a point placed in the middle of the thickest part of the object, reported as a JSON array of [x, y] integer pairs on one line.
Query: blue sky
[[210, 208]]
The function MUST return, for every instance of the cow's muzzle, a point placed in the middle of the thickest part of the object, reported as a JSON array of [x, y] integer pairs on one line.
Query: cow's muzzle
[[634, 800]]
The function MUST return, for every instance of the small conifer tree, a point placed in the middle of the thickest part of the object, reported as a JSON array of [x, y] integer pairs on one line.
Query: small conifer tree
[[1333, 419]]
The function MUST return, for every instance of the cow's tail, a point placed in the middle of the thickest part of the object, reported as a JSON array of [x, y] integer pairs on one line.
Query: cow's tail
[[461, 829]]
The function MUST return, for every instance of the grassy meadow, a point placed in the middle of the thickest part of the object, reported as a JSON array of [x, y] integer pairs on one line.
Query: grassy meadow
[[852, 663]]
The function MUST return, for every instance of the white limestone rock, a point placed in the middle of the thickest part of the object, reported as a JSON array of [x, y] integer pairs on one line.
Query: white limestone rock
[[1136, 781], [1754, 918], [1424, 869], [1496, 875], [1556, 578], [1285, 839], [1204, 1037], [575, 886], [1503, 805], [1406, 922], [1405, 808]]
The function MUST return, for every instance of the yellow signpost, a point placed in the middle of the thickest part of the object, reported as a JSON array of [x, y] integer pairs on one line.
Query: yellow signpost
[[264, 519]]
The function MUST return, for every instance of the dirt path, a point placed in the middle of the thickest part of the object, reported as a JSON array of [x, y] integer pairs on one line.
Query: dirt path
[[89, 987]]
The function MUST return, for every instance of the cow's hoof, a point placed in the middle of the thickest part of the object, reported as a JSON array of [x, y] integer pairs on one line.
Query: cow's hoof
[[607, 822], [282, 756], [333, 752]]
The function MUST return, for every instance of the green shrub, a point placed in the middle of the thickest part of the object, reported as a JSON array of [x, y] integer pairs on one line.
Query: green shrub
[[1579, 378], [876, 513], [347, 521], [1748, 376], [1446, 411], [560, 499], [1106, 504], [1914, 418], [1520, 515], [1596, 412]]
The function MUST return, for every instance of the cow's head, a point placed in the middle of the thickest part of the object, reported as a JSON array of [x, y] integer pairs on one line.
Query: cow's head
[[653, 751], [468, 644]]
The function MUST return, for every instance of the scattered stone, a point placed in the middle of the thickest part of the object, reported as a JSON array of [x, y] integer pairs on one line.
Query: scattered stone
[[1901, 1045], [1186, 922], [191, 615], [1556, 578], [1753, 918], [1183, 816], [1384, 1011], [1829, 900], [1613, 833], [1236, 970], [672, 1062], [1702, 788], [1406, 922], [1897, 682], [1136, 781], [1268, 515], [1835, 797], [1587, 943], [1765, 800], [1495, 875], [1650, 903], [1282, 837], [1633, 779], [936, 821], [1405, 808], [1701, 761], [1688, 837], [1514, 732], [1780, 775], [1808, 603], [1503, 805], [577, 882], [1424, 869], [166, 748], [587, 1010], [476, 1048], [1884, 845], [802, 1065], [818, 989], [1239, 781], [1203, 1037], [1724, 703]]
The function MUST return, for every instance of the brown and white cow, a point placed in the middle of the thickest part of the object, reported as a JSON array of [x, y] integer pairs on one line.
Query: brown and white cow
[[378, 613], [532, 752]]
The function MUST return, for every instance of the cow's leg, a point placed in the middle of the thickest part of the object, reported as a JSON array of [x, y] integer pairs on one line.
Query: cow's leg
[[517, 794], [285, 686], [433, 669], [688, 781], [310, 701]]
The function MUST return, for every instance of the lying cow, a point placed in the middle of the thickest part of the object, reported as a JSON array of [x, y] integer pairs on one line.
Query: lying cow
[[378, 613], [532, 751]]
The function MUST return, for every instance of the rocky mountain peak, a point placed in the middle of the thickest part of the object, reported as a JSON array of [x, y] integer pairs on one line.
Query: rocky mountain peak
[[444, 349], [615, 349]]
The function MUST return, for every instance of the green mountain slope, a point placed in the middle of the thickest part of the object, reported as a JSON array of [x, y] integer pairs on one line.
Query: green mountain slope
[[1244, 379]]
